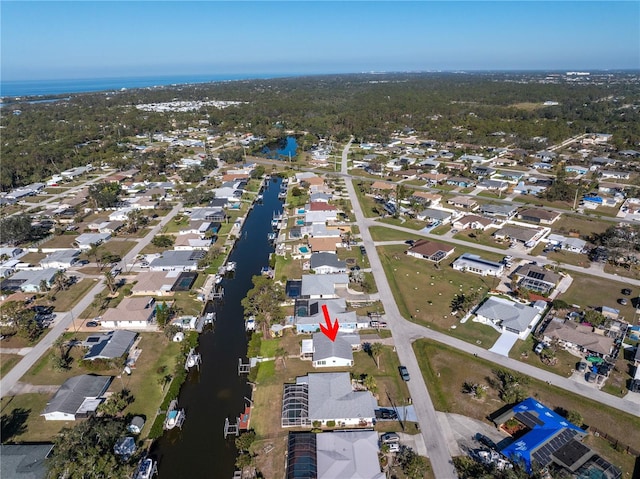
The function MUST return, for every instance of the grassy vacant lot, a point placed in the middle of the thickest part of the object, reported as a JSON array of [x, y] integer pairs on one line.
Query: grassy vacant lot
[[367, 203], [61, 241], [424, 292], [67, 299], [634, 272], [590, 291], [7, 361], [412, 224], [273, 375], [484, 238], [441, 369], [33, 258], [583, 225], [119, 247], [288, 268], [380, 233]]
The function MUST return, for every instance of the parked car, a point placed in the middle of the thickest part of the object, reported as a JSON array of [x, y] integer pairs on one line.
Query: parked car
[[626, 291], [623, 301], [404, 372], [91, 324], [582, 366], [538, 349], [394, 447], [384, 413], [409, 242], [363, 251], [389, 438]]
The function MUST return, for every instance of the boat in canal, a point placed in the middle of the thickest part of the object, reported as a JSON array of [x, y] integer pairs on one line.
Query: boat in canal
[[175, 417], [146, 469]]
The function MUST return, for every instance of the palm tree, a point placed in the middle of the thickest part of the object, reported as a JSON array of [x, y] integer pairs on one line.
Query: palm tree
[[94, 252], [135, 219], [110, 281], [61, 280], [375, 350]]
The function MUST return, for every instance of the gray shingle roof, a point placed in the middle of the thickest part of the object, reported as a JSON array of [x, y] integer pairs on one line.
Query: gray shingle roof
[[24, 461], [324, 348], [510, 315], [75, 390], [326, 259], [111, 345], [331, 397]]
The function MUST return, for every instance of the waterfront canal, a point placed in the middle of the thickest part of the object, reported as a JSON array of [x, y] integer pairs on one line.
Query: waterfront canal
[[216, 392]]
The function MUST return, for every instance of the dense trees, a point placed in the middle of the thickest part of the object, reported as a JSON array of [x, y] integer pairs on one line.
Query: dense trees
[[86, 450], [105, 194], [263, 302], [89, 128], [17, 229]]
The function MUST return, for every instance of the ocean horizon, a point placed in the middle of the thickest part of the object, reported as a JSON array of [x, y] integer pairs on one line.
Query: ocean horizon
[[21, 88]]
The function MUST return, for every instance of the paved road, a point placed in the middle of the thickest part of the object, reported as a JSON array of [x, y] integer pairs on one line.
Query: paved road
[[65, 320], [405, 333], [432, 432]]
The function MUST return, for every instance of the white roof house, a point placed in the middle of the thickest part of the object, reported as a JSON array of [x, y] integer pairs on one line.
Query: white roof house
[[348, 455], [330, 354], [131, 313], [322, 285], [473, 263], [508, 316], [309, 315], [61, 259], [85, 240], [327, 263], [332, 398], [172, 260]]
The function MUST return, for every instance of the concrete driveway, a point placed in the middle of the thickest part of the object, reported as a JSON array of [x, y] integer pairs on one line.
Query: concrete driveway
[[504, 343]]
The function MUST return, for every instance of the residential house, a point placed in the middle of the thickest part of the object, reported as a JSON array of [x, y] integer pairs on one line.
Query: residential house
[[571, 244], [523, 188], [501, 210], [476, 264], [323, 286], [191, 242], [473, 222], [61, 259], [474, 159], [309, 315], [322, 397], [86, 240], [460, 181], [463, 202], [580, 170], [618, 175], [110, 227], [521, 234], [542, 166], [433, 215], [77, 398], [25, 461], [110, 345], [610, 313], [333, 354], [173, 260], [423, 198], [583, 338], [546, 437], [324, 245], [430, 250], [131, 313], [508, 315], [327, 263], [155, 283], [536, 278], [493, 185], [546, 156], [540, 216], [31, 280]]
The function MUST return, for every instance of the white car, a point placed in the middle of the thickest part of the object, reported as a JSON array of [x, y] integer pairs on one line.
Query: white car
[[394, 447], [539, 348]]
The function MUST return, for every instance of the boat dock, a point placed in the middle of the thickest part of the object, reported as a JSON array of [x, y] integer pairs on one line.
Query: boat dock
[[175, 417], [245, 419], [193, 359]]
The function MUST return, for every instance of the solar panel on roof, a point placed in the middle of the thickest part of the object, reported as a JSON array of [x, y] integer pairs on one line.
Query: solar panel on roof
[[529, 419], [535, 275], [313, 310]]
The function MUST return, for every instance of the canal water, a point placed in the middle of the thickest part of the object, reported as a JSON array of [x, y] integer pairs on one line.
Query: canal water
[[282, 150], [216, 392]]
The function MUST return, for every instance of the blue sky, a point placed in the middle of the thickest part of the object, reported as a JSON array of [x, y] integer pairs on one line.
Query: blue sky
[[52, 39]]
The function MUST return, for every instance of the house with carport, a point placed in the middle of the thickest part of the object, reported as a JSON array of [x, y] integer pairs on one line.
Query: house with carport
[[77, 398], [507, 315]]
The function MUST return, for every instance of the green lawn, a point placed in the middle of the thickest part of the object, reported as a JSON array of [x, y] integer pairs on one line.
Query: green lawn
[[590, 291], [380, 233], [67, 299], [582, 225], [8, 361], [412, 224], [424, 293], [523, 351], [367, 203], [21, 420], [484, 238]]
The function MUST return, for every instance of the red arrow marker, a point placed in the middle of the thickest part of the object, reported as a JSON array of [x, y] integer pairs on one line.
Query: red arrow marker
[[331, 330]]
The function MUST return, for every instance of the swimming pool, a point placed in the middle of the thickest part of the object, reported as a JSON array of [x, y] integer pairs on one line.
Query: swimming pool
[[301, 211], [300, 222], [303, 249]]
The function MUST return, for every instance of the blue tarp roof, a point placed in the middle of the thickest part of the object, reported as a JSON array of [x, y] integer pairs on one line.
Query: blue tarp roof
[[549, 424]]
